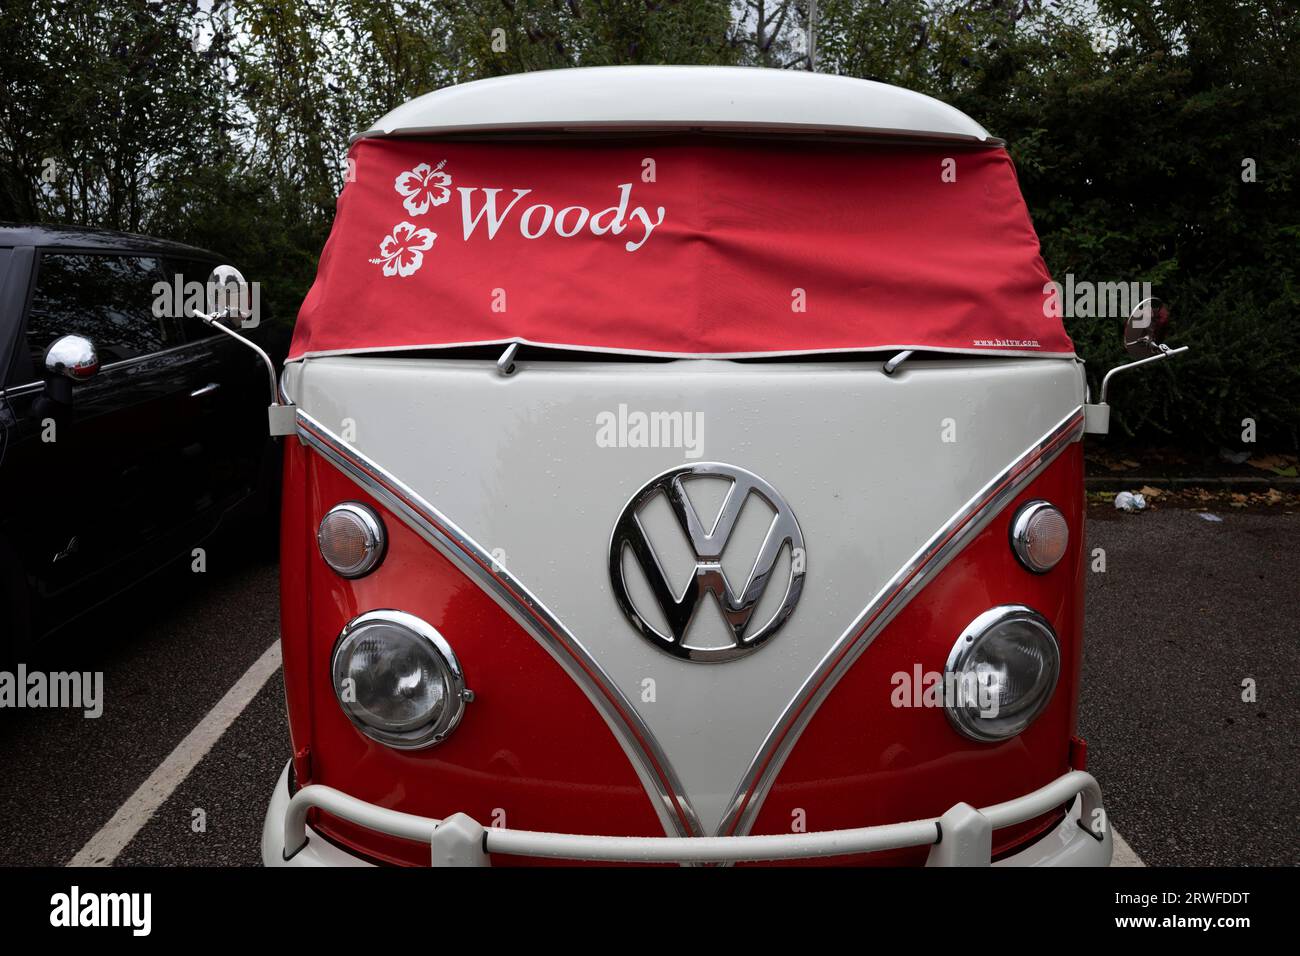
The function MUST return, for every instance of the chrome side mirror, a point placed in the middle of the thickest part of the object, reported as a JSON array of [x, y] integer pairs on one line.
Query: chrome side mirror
[[1146, 328], [228, 297], [70, 360], [72, 357], [1144, 335]]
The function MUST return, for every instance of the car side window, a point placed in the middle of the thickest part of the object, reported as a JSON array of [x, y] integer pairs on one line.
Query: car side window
[[108, 299]]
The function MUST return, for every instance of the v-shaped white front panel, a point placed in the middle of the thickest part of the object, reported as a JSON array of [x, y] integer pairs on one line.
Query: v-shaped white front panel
[[537, 469]]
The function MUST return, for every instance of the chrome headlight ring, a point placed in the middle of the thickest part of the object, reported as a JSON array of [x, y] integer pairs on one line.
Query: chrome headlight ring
[[1024, 637], [423, 646]]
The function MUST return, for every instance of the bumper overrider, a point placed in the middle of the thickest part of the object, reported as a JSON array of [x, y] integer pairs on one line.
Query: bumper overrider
[[961, 837]]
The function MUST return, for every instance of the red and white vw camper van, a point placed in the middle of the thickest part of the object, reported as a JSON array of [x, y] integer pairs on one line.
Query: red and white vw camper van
[[683, 465]]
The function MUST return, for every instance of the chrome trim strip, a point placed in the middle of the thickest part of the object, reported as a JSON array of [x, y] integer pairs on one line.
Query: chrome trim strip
[[126, 363], [649, 759], [15, 391], [25, 387], [933, 556]]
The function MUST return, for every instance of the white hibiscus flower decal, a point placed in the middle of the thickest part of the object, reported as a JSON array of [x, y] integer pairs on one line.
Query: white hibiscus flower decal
[[423, 186], [402, 253]]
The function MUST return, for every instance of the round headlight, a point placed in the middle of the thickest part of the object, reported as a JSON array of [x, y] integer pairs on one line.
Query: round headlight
[[351, 539], [1039, 536], [1004, 668], [398, 680]]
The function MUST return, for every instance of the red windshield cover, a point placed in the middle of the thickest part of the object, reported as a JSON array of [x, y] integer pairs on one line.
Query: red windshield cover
[[681, 247]]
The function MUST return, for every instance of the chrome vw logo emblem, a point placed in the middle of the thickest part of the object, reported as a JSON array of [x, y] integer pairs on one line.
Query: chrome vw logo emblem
[[708, 544]]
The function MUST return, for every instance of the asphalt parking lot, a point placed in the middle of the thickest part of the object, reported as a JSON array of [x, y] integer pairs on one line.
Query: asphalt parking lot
[[1186, 610]]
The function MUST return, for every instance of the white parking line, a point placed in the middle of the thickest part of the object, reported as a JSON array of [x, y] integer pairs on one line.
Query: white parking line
[[103, 848], [1124, 854]]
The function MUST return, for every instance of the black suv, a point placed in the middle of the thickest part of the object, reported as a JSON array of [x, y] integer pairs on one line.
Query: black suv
[[126, 450]]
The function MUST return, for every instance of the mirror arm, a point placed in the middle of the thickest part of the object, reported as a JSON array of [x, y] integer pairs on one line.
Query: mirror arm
[[1165, 352], [211, 320], [282, 417]]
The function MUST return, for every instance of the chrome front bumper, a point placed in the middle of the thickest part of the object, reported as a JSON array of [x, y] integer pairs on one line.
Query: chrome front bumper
[[961, 837]]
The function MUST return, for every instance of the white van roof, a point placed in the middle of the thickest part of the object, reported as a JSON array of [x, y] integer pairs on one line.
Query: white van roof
[[712, 98]]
